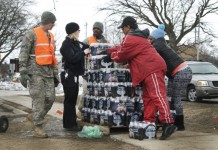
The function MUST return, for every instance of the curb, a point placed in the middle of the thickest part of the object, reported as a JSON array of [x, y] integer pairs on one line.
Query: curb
[[16, 112]]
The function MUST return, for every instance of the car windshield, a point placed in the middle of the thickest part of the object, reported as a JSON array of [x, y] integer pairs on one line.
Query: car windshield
[[203, 69]]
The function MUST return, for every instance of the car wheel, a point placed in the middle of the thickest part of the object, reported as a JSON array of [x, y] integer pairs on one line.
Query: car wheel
[[191, 95], [3, 124]]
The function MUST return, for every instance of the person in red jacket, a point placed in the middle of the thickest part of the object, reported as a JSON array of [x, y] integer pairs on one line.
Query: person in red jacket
[[146, 67]]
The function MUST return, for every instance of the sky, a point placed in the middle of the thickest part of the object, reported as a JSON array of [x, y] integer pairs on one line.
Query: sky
[[83, 12], [80, 11]]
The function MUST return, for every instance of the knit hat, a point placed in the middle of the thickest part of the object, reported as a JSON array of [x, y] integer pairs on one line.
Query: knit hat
[[98, 25], [159, 32], [146, 32], [128, 21], [47, 17], [71, 27]]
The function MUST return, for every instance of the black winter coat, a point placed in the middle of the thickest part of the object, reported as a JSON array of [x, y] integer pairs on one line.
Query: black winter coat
[[171, 58], [72, 60]]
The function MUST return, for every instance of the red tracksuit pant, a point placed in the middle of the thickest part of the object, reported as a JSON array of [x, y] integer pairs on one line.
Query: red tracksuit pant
[[155, 99]]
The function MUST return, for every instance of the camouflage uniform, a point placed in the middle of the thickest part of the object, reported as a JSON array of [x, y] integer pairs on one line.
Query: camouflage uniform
[[41, 84]]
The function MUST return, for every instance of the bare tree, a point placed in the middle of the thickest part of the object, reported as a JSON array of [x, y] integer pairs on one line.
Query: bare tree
[[179, 16], [114, 36], [14, 18]]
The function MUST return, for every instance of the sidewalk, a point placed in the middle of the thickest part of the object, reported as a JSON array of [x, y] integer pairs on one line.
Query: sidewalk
[[179, 141]]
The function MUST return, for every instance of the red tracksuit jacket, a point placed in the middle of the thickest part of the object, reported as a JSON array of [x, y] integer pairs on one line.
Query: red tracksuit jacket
[[141, 56]]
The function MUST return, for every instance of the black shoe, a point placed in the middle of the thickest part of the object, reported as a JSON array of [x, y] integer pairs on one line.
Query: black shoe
[[179, 122], [77, 128], [69, 129], [168, 130], [74, 128]]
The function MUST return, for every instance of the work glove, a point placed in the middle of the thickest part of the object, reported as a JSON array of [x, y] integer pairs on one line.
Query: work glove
[[107, 58], [24, 78]]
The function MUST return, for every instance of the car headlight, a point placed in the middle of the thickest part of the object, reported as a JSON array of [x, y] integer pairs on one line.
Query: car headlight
[[202, 83]]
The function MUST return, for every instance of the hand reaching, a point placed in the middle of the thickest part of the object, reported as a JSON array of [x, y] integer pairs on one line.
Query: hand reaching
[[87, 51]]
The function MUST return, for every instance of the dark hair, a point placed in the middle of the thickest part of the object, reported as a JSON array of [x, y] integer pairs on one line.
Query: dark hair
[[133, 26], [129, 21]]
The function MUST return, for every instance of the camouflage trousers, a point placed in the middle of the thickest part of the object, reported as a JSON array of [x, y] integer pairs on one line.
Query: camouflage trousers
[[42, 92]]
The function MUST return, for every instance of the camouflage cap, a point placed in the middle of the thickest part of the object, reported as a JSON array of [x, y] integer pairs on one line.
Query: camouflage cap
[[47, 17]]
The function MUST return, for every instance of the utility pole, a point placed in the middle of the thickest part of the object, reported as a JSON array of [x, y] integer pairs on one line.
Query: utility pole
[[105, 29], [198, 48], [86, 34], [54, 5]]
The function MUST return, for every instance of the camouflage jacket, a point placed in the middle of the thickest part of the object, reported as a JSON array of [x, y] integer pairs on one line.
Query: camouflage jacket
[[27, 63]]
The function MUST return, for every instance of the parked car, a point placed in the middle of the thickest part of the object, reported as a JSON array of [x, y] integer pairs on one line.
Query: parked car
[[204, 83]]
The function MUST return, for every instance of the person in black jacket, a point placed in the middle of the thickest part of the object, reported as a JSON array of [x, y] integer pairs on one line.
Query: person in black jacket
[[178, 72], [73, 53]]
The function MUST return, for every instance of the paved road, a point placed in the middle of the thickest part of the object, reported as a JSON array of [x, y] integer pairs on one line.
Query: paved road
[[179, 141]]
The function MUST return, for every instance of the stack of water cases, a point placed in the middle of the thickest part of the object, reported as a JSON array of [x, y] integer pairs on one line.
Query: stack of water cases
[[111, 100]]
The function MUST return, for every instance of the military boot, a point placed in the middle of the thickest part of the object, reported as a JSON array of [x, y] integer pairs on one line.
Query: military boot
[[39, 132], [30, 119]]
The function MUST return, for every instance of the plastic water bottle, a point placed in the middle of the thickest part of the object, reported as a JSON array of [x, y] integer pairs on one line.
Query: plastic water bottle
[[150, 131], [141, 131], [92, 115], [135, 129], [110, 118], [131, 133], [101, 117]]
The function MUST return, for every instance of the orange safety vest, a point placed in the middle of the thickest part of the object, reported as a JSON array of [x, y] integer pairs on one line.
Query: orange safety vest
[[92, 39], [44, 50]]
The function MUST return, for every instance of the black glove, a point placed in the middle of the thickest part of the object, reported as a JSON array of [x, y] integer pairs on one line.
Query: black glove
[[107, 58]]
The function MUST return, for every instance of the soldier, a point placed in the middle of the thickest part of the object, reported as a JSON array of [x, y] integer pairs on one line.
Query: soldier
[[37, 64]]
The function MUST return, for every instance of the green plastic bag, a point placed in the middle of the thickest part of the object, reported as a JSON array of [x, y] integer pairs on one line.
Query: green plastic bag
[[90, 132]]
